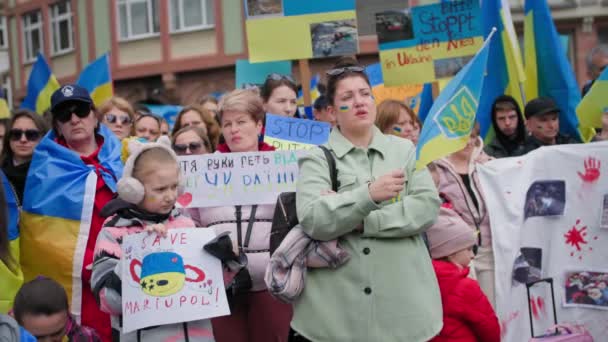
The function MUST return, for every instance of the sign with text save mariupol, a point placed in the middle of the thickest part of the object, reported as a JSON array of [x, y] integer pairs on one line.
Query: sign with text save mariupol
[[429, 42], [170, 280], [296, 29], [237, 178], [285, 133]]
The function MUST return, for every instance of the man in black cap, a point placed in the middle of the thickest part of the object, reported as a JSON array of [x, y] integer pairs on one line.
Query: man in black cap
[[509, 129], [542, 121]]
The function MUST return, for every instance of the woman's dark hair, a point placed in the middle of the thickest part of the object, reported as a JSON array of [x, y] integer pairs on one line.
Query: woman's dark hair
[[273, 81], [39, 122], [5, 253], [41, 296], [343, 64]]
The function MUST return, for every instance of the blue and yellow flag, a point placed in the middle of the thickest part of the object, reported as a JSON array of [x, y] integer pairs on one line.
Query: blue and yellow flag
[[97, 79], [452, 116], [505, 67], [426, 101], [57, 210], [11, 275], [548, 72], [40, 86], [5, 112], [593, 106]]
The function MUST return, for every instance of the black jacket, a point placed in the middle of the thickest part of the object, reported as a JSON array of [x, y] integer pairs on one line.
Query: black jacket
[[532, 143], [503, 146]]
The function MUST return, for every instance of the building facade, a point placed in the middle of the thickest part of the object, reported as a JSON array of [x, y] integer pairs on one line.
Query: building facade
[[176, 51]]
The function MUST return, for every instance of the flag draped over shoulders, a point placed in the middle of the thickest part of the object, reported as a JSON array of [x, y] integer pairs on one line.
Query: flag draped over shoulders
[[57, 210]]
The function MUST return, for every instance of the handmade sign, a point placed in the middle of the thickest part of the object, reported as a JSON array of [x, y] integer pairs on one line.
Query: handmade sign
[[213, 180], [170, 280], [409, 93], [286, 133], [428, 42], [249, 74], [295, 29], [546, 210]]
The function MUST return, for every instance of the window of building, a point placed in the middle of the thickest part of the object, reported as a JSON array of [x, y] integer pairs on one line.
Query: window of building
[[138, 19], [3, 33], [61, 28], [189, 15], [32, 35]]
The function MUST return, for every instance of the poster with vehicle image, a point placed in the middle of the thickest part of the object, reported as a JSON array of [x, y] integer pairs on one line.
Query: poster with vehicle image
[[295, 29], [428, 42], [170, 280]]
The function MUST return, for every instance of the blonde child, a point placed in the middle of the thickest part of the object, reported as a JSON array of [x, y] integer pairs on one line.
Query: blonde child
[[468, 315], [146, 202]]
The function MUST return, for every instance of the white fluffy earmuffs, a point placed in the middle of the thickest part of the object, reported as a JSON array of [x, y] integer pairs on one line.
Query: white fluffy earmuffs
[[128, 187]]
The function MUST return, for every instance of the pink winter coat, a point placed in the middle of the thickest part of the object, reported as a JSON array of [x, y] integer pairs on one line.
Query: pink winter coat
[[223, 219], [453, 187]]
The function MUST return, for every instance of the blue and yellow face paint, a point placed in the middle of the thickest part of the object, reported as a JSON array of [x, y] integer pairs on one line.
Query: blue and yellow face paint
[[397, 130], [343, 109]]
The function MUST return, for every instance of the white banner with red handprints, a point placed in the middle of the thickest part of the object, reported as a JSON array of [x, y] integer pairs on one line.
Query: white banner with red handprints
[[549, 213]]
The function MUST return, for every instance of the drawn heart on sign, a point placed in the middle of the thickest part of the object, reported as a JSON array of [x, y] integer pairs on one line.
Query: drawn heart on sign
[[185, 199]]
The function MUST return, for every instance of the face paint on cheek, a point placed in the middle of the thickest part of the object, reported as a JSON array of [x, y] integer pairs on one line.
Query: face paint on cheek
[[397, 130], [343, 109]]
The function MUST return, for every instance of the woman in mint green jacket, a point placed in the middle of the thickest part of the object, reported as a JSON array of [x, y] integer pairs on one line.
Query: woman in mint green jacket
[[388, 290]]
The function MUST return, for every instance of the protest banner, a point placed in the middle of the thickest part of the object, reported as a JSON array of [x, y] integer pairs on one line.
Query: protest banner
[[300, 29], [286, 133], [170, 280], [247, 178], [546, 211], [428, 42], [255, 74], [409, 93]]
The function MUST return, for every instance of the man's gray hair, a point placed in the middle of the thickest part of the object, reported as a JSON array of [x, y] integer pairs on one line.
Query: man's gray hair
[[601, 49]]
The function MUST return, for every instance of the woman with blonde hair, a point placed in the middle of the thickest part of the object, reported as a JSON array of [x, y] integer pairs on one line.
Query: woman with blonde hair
[[395, 117], [255, 315], [118, 114], [195, 115]]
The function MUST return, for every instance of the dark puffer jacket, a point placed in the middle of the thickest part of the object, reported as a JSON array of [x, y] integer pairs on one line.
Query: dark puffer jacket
[[467, 313]]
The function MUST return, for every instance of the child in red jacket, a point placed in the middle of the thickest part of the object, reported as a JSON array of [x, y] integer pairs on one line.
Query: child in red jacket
[[467, 313]]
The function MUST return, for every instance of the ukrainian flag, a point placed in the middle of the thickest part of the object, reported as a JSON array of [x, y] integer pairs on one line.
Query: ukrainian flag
[[548, 72], [426, 101], [506, 71], [314, 94], [452, 116], [5, 113], [57, 211], [11, 275], [592, 106], [40, 86], [97, 79]]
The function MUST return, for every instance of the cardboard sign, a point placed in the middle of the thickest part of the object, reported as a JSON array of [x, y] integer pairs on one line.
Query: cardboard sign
[[170, 280], [429, 42], [300, 29], [214, 180], [409, 93], [286, 133]]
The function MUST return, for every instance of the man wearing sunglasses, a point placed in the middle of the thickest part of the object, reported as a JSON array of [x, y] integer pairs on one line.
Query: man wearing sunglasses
[[72, 176]]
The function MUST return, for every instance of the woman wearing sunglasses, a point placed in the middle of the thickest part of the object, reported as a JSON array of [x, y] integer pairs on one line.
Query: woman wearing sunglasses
[[24, 131], [387, 291], [117, 113], [191, 140], [280, 95], [72, 176]]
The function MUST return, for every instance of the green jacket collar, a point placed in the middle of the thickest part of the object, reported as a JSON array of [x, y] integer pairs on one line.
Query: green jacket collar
[[341, 146]]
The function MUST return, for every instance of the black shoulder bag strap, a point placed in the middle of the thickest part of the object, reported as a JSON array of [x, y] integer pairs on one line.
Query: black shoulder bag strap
[[333, 170], [238, 213]]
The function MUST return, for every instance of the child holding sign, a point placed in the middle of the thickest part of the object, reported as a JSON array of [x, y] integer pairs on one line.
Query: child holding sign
[[146, 202]]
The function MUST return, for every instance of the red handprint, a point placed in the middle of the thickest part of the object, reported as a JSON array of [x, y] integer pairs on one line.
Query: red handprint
[[592, 170]]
